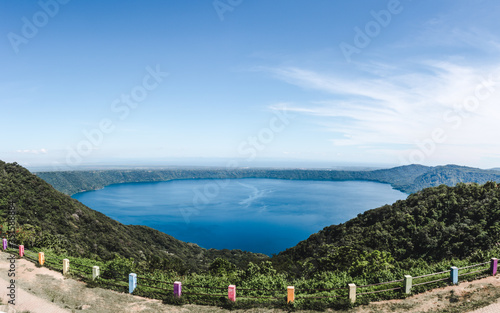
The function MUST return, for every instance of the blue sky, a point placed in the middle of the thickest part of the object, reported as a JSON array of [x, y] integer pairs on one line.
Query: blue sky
[[291, 83]]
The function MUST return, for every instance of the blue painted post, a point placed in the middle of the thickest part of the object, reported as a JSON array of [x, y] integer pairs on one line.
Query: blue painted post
[[132, 282], [177, 289], [4, 244], [454, 275], [493, 266]]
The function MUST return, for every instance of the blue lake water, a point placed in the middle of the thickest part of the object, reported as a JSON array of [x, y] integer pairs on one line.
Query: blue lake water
[[258, 215]]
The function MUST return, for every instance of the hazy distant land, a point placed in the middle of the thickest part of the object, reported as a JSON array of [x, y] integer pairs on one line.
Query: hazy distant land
[[408, 179]]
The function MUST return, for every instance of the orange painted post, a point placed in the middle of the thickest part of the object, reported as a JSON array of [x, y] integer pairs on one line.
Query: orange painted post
[[21, 251], [231, 293], [41, 258], [290, 294]]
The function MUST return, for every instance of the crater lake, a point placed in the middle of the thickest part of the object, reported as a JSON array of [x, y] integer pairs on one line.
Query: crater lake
[[257, 215]]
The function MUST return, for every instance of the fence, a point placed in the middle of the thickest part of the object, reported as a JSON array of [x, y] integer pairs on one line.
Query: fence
[[404, 285]]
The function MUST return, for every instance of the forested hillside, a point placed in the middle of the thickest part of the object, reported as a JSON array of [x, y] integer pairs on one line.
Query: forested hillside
[[409, 179], [434, 224], [48, 218]]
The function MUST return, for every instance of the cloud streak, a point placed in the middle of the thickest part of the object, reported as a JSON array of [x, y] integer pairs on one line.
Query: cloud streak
[[32, 151], [389, 109]]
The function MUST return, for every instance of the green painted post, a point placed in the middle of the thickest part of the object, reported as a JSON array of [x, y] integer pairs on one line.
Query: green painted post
[[408, 282], [352, 292]]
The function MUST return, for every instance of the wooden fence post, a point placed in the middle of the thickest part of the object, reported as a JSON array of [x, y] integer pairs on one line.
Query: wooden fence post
[[352, 292], [408, 283], [65, 266], [493, 266], [177, 289], [132, 282]]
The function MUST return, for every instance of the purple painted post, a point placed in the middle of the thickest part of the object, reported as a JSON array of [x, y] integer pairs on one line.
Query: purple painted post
[[493, 266], [231, 292], [4, 241], [177, 289], [21, 250]]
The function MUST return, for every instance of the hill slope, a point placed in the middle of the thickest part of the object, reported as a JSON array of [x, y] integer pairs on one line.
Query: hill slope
[[409, 179], [434, 224], [49, 218]]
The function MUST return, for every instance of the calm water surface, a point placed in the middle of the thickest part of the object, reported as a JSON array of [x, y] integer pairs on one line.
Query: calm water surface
[[258, 215]]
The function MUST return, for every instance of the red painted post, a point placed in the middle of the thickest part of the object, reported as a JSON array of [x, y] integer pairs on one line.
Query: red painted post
[[21, 250], [231, 292]]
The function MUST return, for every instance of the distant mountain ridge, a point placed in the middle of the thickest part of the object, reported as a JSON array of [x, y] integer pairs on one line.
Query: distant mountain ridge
[[408, 178]]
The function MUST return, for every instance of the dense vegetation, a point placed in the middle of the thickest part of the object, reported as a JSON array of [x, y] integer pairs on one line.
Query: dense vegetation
[[432, 225], [48, 218], [408, 179]]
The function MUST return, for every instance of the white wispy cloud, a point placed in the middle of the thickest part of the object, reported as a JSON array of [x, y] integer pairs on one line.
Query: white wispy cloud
[[391, 109], [33, 151]]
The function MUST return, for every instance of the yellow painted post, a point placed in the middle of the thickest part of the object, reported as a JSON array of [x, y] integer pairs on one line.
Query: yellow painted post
[[41, 258], [352, 292], [95, 272], [65, 266], [290, 294]]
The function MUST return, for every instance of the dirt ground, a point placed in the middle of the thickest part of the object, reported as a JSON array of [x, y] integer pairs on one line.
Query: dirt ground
[[42, 290]]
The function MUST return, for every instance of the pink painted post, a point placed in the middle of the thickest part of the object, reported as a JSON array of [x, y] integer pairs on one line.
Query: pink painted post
[[493, 266], [21, 250], [177, 289], [4, 241], [231, 292]]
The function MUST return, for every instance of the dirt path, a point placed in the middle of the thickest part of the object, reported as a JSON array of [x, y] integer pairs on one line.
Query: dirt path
[[42, 290]]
